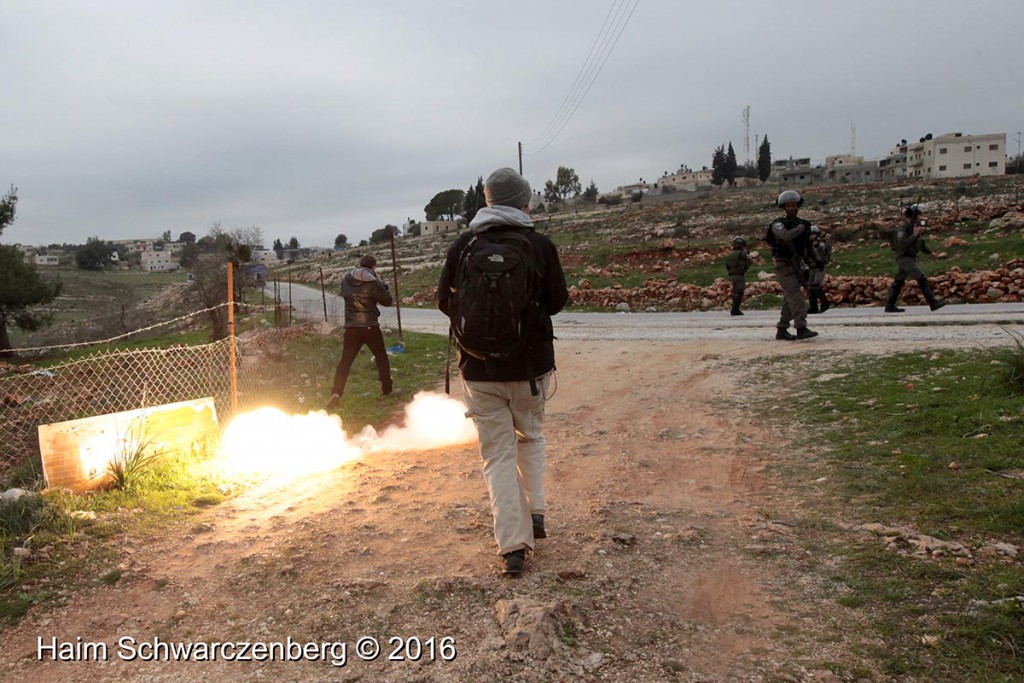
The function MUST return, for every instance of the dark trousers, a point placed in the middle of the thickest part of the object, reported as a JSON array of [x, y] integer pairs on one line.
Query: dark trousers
[[355, 337]]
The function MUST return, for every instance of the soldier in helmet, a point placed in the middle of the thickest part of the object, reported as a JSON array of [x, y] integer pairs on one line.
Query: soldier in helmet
[[789, 238], [736, 265], [821, 254], [907, 242]]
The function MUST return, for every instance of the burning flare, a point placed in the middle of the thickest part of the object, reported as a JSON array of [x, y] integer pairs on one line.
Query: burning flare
[[269, 441]]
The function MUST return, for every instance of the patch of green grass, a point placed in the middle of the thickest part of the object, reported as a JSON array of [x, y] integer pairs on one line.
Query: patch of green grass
[[895, 424], [885, 431], [301, 380]]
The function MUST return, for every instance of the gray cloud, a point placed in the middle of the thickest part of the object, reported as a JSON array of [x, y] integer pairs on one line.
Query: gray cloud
[[125, 119]]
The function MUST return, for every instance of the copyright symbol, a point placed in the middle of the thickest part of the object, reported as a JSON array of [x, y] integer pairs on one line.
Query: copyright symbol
[[367, 648]]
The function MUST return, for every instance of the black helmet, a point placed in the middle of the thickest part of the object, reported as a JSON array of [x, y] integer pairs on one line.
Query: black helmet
[[913, 211], [790, 196], [738, 241], [815, 230]]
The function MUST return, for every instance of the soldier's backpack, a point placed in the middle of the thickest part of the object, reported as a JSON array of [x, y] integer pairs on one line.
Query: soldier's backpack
[[494, 308]]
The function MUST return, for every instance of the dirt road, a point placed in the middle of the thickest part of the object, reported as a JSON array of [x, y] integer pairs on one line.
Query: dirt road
[[661, 563]]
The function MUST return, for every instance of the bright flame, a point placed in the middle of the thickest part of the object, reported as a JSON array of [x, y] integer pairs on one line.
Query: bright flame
[[268, 441]]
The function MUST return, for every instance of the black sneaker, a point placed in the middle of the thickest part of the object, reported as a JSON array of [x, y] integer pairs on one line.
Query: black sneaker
[[783, 334], [805, 333], [538, 527], [894, 309], [514, 562]]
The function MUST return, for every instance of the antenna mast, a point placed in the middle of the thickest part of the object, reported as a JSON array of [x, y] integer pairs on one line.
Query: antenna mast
[[746, 133]]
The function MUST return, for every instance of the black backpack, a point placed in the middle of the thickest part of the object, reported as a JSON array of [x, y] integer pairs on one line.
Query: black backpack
[[494, 308]]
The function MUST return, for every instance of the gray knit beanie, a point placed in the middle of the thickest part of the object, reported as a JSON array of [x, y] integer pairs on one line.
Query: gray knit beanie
[[505, 187]]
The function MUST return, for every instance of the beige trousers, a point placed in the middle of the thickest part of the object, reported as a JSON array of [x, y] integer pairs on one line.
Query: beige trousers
[[510, 422]]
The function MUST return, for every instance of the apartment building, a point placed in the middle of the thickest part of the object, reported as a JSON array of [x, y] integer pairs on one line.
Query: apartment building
[[157, 261], [685, 180]]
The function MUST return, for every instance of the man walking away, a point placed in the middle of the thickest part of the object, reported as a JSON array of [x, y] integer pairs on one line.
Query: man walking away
[[790, 242], [737, 262], [500, 285], [363, 291], [907, 242]]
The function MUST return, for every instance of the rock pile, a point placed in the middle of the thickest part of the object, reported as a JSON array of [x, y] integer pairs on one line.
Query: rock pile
[[1004, 284]]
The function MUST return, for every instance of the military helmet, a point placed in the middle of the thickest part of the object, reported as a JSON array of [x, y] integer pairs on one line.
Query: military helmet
[[790, 196], [738, 241], [913, 211], [815, 230]]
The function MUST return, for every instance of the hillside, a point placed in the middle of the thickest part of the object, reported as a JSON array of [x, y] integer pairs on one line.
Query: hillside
[[667, 255]]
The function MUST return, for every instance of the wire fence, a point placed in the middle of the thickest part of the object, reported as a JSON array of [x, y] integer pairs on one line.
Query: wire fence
[[108, 381], [113, 381]]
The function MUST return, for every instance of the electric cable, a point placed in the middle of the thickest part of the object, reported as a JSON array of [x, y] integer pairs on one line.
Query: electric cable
[[592, 79], [590, 72], [583, 68]]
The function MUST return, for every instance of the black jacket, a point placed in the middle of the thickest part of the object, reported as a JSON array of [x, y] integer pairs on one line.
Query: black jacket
[[790, 239], [553, 296], [363, 291]]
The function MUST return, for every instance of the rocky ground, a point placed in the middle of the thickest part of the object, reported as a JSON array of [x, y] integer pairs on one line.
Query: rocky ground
[[674, 553]]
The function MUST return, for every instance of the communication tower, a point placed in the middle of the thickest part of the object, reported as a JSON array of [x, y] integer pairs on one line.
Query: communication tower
[[746, 133]]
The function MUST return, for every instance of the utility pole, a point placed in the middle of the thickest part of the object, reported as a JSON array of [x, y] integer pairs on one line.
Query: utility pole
[[520, 158], [1018, 152]]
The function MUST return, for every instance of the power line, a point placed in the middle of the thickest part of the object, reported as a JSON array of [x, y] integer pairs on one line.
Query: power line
[[591, 79], [594, 70], [579, 75]]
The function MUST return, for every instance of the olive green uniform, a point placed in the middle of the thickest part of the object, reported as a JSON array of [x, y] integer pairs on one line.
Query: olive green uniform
[[907, 246], [737, 262], [789, 239]]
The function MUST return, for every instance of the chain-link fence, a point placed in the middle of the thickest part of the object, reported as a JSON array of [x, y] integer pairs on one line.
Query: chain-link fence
[[108, 382], [114, 381]]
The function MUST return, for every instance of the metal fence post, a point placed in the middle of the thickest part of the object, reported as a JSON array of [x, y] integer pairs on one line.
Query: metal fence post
[[231, 338]]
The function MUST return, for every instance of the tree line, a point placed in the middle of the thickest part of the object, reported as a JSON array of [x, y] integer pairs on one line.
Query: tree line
[[724, 168]]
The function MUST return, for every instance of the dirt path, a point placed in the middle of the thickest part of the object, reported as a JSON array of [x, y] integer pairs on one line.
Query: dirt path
[[655, 569]]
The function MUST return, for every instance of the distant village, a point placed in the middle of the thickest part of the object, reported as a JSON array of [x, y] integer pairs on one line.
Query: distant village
[[154, 255], [950, 155]]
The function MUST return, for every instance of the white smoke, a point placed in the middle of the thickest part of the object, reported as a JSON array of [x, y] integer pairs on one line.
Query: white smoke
[[269, 441]]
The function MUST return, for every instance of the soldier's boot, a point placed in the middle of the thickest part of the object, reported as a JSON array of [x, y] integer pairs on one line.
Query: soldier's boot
[[736, 301], [805, 333], [825, 305], [812, 303], [934, 302], [783, 334], [894, 295]]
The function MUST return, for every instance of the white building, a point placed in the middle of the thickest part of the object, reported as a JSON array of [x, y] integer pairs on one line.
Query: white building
[[47, 260], [438, 227], [157, 261], [264, 256], [955, 155], [686, 180]]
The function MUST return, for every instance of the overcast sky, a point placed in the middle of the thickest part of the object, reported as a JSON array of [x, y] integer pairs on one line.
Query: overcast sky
[[126, 118]]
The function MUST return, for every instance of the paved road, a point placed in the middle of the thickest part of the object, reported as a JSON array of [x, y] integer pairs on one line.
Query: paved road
[[954, 325]]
